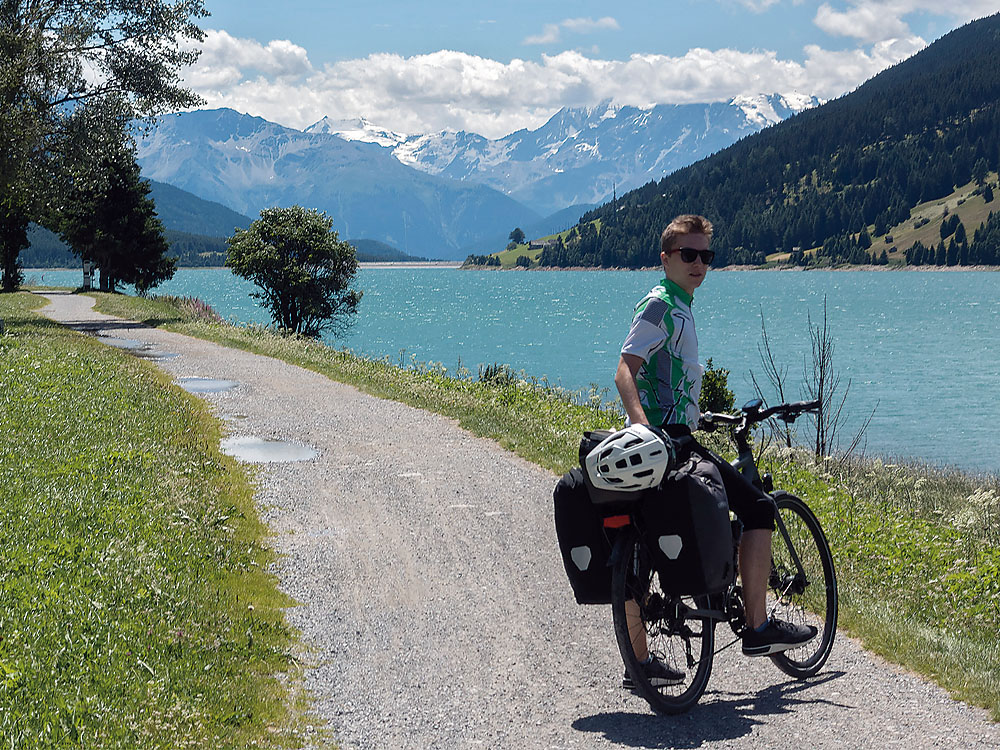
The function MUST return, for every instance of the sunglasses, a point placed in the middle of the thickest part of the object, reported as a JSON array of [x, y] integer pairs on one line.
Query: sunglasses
[[688, 254]]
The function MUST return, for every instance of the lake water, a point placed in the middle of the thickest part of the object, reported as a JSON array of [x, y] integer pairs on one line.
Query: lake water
[[922, 346]]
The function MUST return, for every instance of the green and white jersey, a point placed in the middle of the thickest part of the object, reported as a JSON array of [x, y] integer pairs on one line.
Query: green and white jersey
[[662, 335]]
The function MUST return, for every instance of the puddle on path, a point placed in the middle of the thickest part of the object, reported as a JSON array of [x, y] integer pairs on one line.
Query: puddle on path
[[206, 385], [141, 349], [122, 343], [255, 450]]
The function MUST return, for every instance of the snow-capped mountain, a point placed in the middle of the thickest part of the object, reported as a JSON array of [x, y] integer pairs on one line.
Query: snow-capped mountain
[[247, 164], [582, 155], [443, 195], [358, 129]]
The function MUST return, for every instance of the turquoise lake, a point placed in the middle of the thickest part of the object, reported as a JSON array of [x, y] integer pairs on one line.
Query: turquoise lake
[[922, 347]]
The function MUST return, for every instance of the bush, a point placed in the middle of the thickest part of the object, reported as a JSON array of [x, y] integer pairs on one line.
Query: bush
[[715, 393]]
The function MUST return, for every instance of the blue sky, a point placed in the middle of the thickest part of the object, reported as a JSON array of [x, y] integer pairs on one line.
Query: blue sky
[[493, 68]]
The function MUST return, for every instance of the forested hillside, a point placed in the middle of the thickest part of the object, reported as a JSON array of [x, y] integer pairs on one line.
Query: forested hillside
[[831, 178]]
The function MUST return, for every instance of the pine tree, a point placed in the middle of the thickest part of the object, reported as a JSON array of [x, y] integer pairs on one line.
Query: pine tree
[[111, 220]]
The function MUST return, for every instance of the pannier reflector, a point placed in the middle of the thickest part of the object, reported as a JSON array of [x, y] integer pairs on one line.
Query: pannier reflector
[[671, 545], [616, 522], [581, 557]]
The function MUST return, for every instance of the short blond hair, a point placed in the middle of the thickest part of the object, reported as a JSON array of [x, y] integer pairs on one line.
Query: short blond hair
[[682, 225]]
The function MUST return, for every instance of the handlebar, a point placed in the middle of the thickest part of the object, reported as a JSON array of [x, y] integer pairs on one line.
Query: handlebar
[[752, 414]]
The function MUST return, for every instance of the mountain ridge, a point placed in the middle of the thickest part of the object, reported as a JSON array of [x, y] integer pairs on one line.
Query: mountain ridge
[[248, 163], [447, 194], [830, 177], [584, 154]]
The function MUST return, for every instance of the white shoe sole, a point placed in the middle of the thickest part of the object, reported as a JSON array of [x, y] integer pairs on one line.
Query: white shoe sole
[[657, 683], [772, 648]]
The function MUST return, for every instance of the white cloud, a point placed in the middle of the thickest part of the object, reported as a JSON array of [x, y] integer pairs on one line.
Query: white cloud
[[758, 6], [552, 32], [226, 60], [880, 20], [449, 90]]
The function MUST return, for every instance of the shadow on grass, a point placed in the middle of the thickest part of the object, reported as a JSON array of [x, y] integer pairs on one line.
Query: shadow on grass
[[720, 717]]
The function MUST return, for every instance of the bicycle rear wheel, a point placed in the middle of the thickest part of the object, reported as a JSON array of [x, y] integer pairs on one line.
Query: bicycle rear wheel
[[807, 596], [683, 643]]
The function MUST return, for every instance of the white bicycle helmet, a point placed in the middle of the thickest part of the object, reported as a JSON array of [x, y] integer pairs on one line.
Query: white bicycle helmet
[[632, 459]]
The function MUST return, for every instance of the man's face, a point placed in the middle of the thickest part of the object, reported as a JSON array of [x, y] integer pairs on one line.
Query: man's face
[[688, 276]]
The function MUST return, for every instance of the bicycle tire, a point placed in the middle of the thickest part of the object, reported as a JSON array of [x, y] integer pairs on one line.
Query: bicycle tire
[[816, 603], [686, 644]]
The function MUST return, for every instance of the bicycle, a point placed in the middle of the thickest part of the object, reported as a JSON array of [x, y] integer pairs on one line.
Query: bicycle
[[680, 630]]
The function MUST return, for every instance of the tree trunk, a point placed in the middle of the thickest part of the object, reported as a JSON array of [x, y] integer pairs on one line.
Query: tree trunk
[[13, 239]]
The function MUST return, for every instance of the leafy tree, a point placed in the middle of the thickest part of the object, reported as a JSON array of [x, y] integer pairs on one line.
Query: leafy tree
[[715, 393], [517, 236], [304, 271], [523, 261], [110, 220], [83, 68]]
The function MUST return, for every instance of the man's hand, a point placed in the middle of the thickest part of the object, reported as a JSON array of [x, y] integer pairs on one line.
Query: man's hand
[[628, 366]]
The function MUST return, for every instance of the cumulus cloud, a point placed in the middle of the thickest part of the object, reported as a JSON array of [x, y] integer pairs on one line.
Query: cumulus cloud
[[450, 90], [880, 20], [552, 32], [226, 61]]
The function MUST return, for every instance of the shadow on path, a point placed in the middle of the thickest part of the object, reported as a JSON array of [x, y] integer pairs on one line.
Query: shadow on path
[[720, 717]]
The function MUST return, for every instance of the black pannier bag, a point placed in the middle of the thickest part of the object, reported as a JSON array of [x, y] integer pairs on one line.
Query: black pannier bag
[[583, 540], [686, 527]]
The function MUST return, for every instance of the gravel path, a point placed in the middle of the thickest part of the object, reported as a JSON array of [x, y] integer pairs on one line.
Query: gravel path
[[433, 604]]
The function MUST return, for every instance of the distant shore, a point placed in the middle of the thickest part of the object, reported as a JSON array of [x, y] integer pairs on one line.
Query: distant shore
[[411, 264]]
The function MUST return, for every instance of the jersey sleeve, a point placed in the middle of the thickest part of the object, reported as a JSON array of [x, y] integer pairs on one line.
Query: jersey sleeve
[[647, 334]]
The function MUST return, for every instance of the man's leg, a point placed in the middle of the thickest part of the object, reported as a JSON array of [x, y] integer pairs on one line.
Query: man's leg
[[756, 510], [755, 565], [636, 630], [658, 673]]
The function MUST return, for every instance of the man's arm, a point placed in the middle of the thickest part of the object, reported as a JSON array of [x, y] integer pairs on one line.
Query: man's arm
[[628, 366]]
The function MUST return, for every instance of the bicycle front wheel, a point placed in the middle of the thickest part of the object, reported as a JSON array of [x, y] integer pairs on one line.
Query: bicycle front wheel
[[645, 615], [802, 586]]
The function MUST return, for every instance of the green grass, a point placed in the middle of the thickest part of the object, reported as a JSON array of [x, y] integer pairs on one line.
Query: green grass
[[135, 606], [918, 558], [916, 549]]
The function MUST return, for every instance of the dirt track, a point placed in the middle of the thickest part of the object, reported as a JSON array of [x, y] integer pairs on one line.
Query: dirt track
[[434, 608]]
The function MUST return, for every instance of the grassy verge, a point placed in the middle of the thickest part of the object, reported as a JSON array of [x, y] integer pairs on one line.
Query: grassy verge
[[918, 555], [135, 610], [918, 551]]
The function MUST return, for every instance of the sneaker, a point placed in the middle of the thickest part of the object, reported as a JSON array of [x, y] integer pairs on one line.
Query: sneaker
[[776, 637], [658, 673]]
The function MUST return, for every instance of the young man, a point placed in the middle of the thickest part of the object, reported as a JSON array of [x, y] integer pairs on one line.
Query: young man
[[659, 380]]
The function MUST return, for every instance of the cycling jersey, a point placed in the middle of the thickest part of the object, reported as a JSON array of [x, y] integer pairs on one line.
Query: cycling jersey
[[662, 335]]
